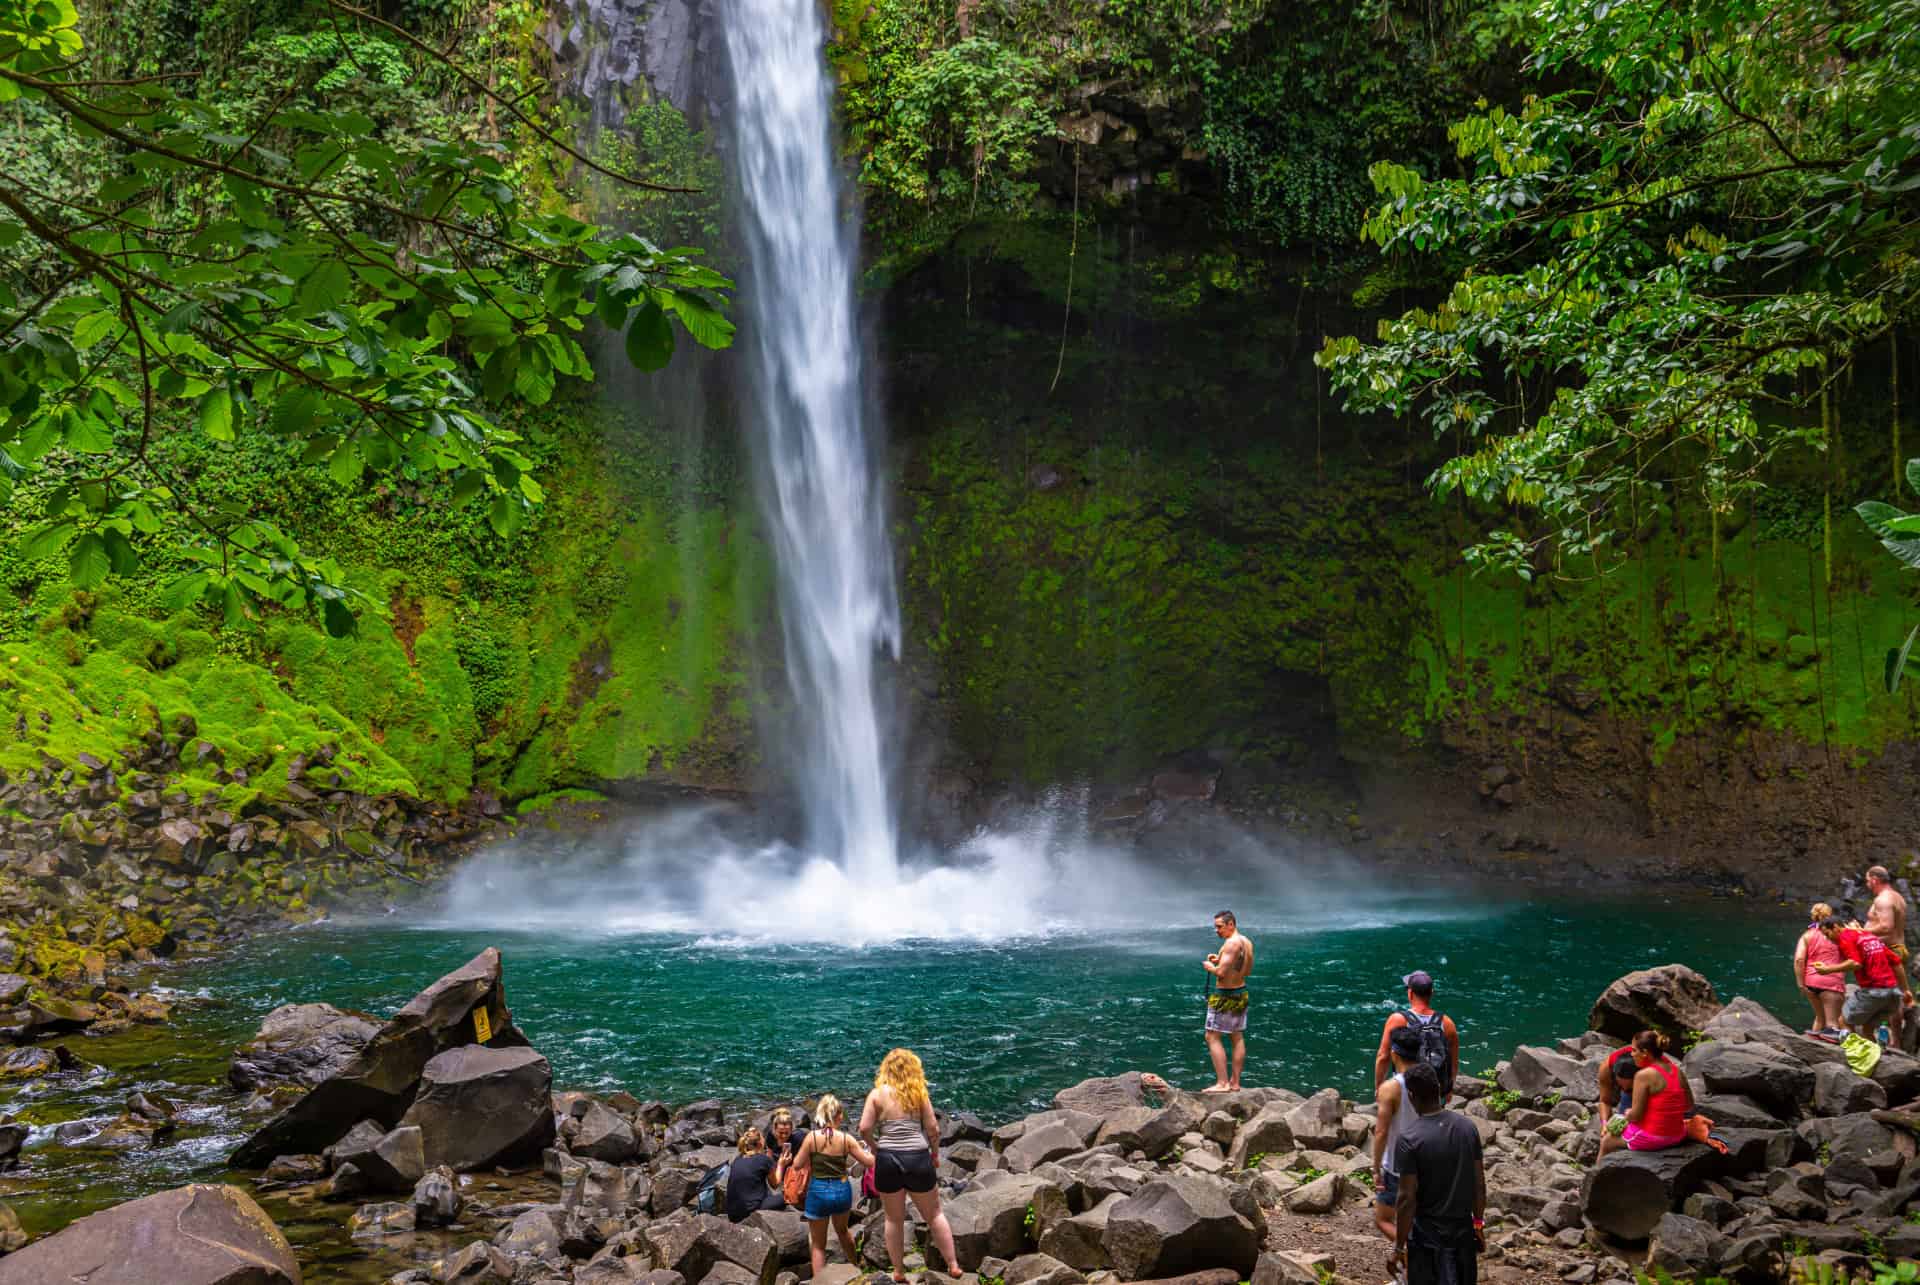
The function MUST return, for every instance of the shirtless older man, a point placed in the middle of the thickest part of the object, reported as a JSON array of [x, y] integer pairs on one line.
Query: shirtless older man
[[1227, 1004], [1887, 917]]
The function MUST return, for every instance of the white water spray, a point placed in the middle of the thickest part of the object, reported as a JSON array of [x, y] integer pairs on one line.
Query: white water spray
[[823, 502]]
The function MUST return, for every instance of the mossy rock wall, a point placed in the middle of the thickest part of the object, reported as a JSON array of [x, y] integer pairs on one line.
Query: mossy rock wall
[[609, 641]]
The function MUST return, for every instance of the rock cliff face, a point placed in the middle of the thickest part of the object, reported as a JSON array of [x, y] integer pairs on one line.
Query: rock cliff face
[[1139, 537]]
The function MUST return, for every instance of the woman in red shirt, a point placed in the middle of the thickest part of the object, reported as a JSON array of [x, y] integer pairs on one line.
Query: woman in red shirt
[[1661, 1099]]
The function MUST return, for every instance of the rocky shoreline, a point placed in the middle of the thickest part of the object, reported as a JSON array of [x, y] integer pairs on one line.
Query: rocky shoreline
[[437, 1140], [111, 865]]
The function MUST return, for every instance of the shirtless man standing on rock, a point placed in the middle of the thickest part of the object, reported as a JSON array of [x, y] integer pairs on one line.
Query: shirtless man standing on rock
[[1227, 1004], [1887, 917]]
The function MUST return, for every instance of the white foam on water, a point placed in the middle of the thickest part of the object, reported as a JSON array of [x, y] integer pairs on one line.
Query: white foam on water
[[686, 880]]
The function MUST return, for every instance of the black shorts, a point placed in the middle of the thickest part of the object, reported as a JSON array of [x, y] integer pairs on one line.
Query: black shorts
[[902, 1170]]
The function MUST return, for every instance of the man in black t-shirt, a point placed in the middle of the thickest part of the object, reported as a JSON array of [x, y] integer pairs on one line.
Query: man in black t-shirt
[[1442, 1204]]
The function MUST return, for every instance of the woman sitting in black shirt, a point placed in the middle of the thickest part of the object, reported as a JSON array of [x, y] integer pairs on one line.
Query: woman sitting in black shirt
[[750, 1178]]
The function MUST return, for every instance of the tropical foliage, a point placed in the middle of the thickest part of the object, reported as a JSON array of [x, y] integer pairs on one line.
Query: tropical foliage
[[1663, 262], [293, 270]]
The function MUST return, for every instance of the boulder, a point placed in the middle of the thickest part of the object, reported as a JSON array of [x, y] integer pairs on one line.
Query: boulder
[[193, 1235], [436, 1198], [1041, 1269], [393, 1218], [534, 1233], [380, 1081], [1899, 1075], [1671, 998], [300, 1044], [1080, 1241], [1798, 1193], [1050, 1141], [1321, 1196], [1267, 1133], [1315, 1123], [1104, 1096], [1858, 1135], [1539, 1072], [1293, 1267], [1838, 1090], [787, 1231], [394, 1161], [477, 1264], [1683, 1247], [694, 1244], [1744, 1018], [1152, 1130], [12, 1235], [1175, 1225], [1780, 1083], [991, 1219], [1735, 1110], [603, 1135], [1627, 1193], [479, 1106]]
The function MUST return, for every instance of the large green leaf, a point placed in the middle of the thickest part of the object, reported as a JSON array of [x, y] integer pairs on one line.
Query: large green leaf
[[326, 287], [650, 338], [47, 540], [1878, 517], [89, 564], [216, 415]]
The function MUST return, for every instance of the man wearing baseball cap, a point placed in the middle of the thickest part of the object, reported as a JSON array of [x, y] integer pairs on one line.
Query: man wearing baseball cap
[[1439, 1038]]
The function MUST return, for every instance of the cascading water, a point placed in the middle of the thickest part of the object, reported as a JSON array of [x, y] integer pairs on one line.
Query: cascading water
[[707, 871], [823, 503]]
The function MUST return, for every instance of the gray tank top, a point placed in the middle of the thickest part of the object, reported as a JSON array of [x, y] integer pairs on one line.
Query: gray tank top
[[901, 1134]]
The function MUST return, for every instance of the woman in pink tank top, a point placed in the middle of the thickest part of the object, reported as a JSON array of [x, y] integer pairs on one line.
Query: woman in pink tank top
[[1826, 992], [1661, 1099]]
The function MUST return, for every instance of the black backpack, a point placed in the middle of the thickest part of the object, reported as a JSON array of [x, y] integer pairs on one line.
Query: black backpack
[[1432, 1031]]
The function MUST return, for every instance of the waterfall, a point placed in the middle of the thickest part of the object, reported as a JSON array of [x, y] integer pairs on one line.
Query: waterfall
[[823, 502]]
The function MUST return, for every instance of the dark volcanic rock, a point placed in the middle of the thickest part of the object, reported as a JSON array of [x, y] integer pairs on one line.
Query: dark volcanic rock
[[1780, 1083], [1671, 998], [479, 1106], [301, 1044], [1175, 1225], [194, 1235], [380, 1081], [1628, 1193]]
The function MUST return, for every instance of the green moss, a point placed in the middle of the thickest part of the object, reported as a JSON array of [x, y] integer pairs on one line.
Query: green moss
[[540, 803]]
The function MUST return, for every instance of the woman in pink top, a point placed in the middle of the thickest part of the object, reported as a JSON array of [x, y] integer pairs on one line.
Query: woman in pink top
[[1825, 991]]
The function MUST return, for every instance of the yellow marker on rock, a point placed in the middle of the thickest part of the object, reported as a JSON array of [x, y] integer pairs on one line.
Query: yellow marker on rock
[[482, 1028]]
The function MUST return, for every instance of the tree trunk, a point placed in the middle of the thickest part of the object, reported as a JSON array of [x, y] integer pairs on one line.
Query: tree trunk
[[1626, 1194]]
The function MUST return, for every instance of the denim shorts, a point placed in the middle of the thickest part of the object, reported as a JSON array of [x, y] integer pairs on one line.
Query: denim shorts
[[826, 1197], [1389, 1192]]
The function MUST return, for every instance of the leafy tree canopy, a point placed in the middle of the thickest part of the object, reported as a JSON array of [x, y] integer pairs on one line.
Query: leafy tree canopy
[[298, 270], [1659, 266]]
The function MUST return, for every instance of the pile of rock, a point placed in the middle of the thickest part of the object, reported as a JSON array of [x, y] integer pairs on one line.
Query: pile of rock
[[1114, 1182], [106, 864], [1816, 1162]]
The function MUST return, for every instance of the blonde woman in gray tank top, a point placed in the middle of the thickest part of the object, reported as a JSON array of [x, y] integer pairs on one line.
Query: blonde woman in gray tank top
[[899, 1121]]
